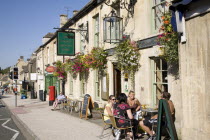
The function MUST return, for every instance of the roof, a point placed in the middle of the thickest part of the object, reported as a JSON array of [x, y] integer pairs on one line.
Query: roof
[[179, 4], [49, 35]]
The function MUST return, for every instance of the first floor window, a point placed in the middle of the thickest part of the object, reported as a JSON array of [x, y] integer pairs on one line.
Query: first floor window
[[96, 31], [159, 7]]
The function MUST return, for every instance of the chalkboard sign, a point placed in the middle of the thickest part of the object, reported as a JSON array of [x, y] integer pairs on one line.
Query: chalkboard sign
[[164, 109], [87, 104]]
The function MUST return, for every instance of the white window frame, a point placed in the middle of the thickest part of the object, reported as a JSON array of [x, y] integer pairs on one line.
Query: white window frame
[[96, 30], [158, 8], [97, 85], [158, 74]]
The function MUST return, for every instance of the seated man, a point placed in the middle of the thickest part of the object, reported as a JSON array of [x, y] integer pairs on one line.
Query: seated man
[[146, 123], [58, 100]]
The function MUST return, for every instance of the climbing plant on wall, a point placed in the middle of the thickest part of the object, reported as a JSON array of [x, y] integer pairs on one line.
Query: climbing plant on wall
[[169, 39]]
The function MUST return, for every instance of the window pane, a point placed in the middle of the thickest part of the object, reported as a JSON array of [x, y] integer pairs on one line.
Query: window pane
[[164, 77], [164, 67]]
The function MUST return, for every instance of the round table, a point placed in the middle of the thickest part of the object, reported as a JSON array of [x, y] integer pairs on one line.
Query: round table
[[150, 111]]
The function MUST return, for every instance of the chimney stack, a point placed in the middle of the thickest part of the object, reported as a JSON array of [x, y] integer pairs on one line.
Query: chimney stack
[[75, 12], [21, 57], [63, 20]]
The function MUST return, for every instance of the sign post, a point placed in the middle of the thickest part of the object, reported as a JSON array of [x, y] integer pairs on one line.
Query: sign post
[[65, 47]]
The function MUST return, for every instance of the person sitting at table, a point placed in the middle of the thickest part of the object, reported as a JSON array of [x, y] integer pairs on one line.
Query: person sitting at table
[[135, 106], [123, 111], [108, 111], [58, 100], [134, 103], [146, 123]]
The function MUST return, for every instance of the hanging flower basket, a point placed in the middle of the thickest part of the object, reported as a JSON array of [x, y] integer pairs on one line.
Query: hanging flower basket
[[97, 59], [128, 56], [78, 65], [60, 70]]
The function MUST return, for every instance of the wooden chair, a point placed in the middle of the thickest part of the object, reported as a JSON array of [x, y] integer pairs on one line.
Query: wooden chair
[[72, 105], [105, 124], [78, 106], [114, 125], [65, 104]]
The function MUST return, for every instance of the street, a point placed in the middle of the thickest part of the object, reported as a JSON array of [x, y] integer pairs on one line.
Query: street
[[8, 129]]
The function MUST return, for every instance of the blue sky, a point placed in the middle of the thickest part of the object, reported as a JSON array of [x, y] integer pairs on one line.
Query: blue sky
[[23, 23]]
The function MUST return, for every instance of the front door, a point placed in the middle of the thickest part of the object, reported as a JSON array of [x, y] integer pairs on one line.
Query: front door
[[50, 80], [117, 81]]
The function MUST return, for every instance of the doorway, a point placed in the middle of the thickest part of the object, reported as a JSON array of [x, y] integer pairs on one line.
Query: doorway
[[50, 80], [117, 80]]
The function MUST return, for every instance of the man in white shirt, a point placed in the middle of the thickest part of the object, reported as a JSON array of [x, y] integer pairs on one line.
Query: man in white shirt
[[58, 100]]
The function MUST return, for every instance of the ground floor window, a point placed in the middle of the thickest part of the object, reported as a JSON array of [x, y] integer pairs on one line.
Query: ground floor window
[[159, 78], [97, 89], [83, 79], [71, 85]]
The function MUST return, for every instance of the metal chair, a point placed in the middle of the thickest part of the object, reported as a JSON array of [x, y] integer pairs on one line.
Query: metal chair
[[114, 125], [105, 124]]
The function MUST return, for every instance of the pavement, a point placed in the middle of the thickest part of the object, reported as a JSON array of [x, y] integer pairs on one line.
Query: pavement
[[38, 122]]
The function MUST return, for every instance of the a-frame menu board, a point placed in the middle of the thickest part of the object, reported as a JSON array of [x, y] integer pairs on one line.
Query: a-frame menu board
[[87, 104], [164, 110]]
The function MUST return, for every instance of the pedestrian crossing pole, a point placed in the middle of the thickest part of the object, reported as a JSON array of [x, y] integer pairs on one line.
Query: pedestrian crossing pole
[[16, 93], [15, 77]]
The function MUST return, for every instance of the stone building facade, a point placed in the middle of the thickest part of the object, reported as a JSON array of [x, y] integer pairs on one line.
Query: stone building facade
[[152, 77], [20, 64], [194, 98]]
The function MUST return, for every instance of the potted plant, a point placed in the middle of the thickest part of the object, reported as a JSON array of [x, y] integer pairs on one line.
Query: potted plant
[[23, 94]]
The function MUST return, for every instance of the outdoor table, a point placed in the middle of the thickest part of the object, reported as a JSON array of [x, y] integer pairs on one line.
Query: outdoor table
[[150, 111]]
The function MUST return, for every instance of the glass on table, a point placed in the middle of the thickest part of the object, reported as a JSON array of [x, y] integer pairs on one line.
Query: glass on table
[[145, 106]]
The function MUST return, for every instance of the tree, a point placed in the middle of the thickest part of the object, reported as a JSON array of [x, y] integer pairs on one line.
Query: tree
[[4, 71]]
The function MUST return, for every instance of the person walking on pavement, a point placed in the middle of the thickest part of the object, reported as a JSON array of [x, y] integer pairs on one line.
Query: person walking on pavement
[[2, 91], [58, 100]]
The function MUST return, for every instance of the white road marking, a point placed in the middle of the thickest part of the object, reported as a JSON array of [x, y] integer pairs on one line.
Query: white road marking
[[4, 125]]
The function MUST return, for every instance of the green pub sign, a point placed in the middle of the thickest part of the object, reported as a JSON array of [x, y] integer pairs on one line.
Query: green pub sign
[[66, 43]]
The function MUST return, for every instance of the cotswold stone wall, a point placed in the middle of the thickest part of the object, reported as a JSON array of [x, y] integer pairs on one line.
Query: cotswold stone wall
[[195, 83]]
